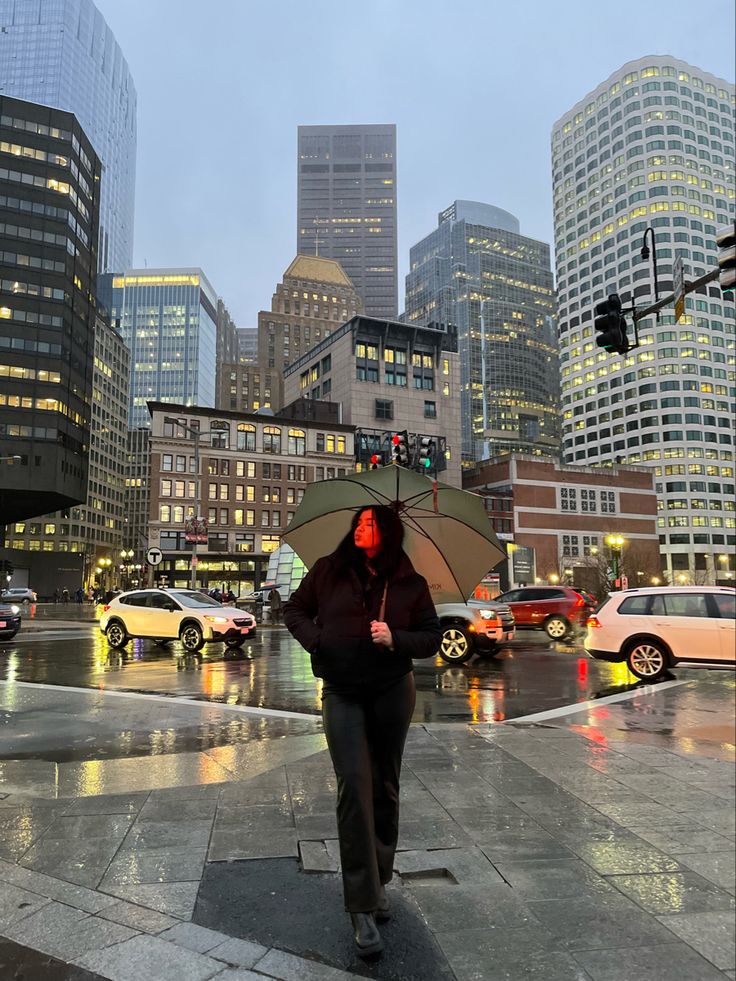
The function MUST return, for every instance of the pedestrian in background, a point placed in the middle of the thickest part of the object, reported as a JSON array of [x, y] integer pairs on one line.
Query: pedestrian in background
[[275, 604], [364, 613]]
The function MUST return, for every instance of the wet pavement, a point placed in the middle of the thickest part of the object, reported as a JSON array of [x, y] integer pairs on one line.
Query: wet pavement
[[189, 832]]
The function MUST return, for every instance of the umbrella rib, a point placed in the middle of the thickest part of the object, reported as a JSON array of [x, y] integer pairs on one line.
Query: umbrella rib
[[421, 531]]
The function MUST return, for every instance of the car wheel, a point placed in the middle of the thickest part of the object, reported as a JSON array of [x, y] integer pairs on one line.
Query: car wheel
[[192, 638], [556, 628], [457, 644], [233, 642], [647, 660], [116, 635]]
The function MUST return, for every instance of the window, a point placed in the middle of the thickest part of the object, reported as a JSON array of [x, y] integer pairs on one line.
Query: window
[[608, 502], [568, 498], [684, 605], [220, 434], [246, 438], [634, 606], [570, 545], [726, 603], [430, 410], [384, 409], [271, 439], [167, 462], [588, 500], [297, 445]]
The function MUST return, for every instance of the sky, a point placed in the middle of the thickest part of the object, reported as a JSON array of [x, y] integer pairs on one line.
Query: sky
[[474, 87]]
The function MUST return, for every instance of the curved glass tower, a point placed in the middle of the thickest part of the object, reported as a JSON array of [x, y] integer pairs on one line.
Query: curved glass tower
[[61, 53], [652, 147]]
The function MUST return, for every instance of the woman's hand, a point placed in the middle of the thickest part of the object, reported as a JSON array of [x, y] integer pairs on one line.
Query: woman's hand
[[380, 634]]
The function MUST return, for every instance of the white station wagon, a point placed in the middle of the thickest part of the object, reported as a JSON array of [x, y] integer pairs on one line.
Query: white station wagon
[[187, 615], [656, 628]]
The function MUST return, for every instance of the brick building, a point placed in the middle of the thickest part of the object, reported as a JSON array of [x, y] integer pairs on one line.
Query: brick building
[[556, 520]]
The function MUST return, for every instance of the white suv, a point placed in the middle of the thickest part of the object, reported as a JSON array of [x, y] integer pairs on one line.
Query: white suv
[[174, 614], [654, 629]]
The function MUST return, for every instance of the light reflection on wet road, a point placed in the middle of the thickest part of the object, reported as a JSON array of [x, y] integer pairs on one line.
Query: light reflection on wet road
[[529, 675]]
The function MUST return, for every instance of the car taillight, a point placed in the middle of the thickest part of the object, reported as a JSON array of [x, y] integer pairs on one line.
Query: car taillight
[[593, 622], [106, 607], [580, 602]]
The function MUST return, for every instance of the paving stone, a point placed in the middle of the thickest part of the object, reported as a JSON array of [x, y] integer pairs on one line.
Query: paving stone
[[673, 892], [253, 818], [169, 834], [287, 967], [65, 932], [236, 974], [173, 898], [145, 958], [18, 962], [84, 826], [522, 846], [228, 846], [194, 937], [45, 885], [509, 954], [194, 792], [684, 839], [136, 866], [241, 953], [176, 809], [614, 857], [552, 879], [608, 920], [710, 934], [665, 962], [108, 804], [465, 865], [16, 904], [83, 863], [473, 906], [716, 867], [315, 857], [137, 917]]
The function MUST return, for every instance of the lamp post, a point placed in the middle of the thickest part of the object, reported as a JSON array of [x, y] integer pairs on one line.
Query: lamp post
[[645, 255], [616, 544], [127, 555], [197, 433]]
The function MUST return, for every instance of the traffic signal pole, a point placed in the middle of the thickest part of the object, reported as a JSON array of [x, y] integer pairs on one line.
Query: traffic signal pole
[[671, 297]]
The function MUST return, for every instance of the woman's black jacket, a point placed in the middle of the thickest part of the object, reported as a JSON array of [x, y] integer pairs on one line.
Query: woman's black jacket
[[331, 612]]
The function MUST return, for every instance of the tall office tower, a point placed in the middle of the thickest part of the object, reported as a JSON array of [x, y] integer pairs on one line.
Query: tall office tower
[[478, 273], [347, 207], [168, 319], [227, 340], [95, 527], [63, 54], [313, 299], [49, 208], [652, 147], [247, 344]]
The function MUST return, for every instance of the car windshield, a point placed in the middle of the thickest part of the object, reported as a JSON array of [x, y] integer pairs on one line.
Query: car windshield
[[196, 600]]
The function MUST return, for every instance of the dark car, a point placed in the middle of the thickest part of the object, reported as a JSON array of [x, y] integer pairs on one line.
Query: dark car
[[9, 620], [556, 609]]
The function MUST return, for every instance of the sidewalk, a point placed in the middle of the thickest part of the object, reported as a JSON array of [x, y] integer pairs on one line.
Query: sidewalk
[[598, 847]]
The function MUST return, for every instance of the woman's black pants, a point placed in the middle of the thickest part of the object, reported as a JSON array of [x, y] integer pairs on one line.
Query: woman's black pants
[[366, 733]]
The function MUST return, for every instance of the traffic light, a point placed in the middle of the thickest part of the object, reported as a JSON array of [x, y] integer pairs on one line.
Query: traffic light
[[376, 461], [426, 452], [400, 443], [610, 325], [726, 239]]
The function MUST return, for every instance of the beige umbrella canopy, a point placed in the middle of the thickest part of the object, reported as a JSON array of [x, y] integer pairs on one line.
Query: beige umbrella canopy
[[447, 534]]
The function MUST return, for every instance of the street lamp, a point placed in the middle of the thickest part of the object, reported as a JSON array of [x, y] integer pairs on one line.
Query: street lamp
[[655, 580], [127, 555], [645, 255], [553, 577], [682, 579]]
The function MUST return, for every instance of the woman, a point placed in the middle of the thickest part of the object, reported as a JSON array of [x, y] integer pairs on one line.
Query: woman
[[363, 613]]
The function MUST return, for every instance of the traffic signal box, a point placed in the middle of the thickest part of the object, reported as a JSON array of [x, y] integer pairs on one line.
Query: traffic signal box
[[610, 325], [426, 453], [400, 443]]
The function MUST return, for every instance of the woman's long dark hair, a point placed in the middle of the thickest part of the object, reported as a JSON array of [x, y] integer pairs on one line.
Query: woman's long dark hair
[[385, 562]]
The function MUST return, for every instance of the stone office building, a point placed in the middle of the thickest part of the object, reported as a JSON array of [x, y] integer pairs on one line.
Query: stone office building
[[387, 377], [253, 470]]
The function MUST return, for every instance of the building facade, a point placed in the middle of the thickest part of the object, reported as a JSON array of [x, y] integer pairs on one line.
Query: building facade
[[247, 343], [49, 208], [249, 388], [168, 318], [253, 470], [137, 493], [476, 272], [386, 377], [555, 520], [94, 528], [314, 298], [64, 55], [652, 147], [346, 207]]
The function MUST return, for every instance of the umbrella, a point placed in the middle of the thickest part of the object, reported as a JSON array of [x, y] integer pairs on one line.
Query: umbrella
[[447, 534]]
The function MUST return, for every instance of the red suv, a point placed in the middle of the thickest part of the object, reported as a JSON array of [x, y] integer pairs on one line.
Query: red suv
[[556, 609]]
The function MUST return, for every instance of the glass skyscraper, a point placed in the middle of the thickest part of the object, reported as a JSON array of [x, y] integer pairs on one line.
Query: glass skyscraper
[[346, 207], [477, 272], [61, 53], [652, 147], [168, 319]]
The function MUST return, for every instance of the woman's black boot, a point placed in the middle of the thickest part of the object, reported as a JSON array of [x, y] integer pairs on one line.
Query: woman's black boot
[[367, 938], [383, 910]]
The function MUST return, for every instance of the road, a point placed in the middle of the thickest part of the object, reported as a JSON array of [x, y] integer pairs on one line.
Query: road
[[529, 675]]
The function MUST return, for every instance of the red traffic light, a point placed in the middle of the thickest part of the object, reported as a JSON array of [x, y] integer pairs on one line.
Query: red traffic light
[[396, 439], [375, 459]]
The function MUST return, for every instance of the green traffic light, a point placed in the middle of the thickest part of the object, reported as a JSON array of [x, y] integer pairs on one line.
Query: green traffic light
[[427, 464]]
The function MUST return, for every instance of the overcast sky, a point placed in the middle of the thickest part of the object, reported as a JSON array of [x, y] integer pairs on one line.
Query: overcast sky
[[473, 86]]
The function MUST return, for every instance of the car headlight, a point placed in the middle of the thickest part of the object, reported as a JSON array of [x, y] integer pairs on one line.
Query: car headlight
[[15, 610], [488, 615], [216, 619]]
